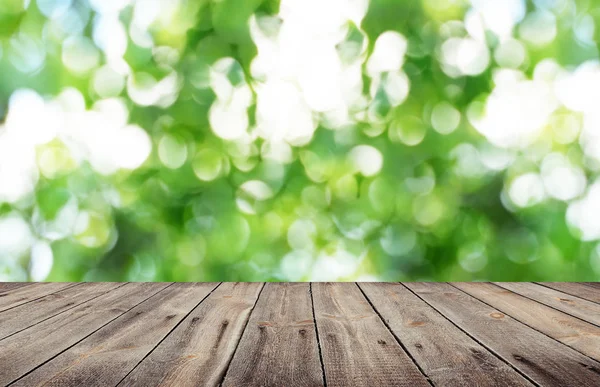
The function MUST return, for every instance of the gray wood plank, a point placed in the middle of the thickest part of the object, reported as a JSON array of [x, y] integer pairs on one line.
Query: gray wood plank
[[575, 306], [31, 313], [279, 346], [108, 355], [357, 348], [198, 351], [445, 353], [21, 295], [24, 351], [580, 289], [542, 359], [582, 336], [4, 286]]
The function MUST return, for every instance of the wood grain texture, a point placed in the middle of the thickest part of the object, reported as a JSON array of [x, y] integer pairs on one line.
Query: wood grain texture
[[4, 286], [28, 314], [446, 354], [580, 289], [282, 318], [357, 347], [21, 295], [199, 350], [108, 355], [24, 351], [569, 330], [299, 334], [575, 306], [542, 359]]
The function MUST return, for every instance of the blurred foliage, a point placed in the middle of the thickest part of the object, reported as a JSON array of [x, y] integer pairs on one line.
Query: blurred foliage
[[259, 140]]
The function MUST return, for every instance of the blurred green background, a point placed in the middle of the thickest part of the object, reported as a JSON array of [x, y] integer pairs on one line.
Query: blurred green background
[[294, 140]]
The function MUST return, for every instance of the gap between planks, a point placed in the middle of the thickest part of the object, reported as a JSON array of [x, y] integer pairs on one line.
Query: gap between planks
[[395, 336], [19, 374], [541, 359], [488, 348], [555, 312], [459, 326]]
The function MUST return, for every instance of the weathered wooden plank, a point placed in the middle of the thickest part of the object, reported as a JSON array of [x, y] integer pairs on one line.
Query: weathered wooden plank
[[4, 286], [357, 348], [542, 359], [575, 306], [24, 351], [198, 351], [31, 313], [580, 289], [279, 346], [567, 329], [21, 295], [446, 354], [108, 355]]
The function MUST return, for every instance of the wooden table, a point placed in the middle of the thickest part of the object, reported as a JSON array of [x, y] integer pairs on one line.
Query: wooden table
[[300, 334]]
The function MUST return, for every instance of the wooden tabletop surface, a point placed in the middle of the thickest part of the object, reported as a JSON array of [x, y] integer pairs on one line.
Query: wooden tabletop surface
[[300, 334]]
